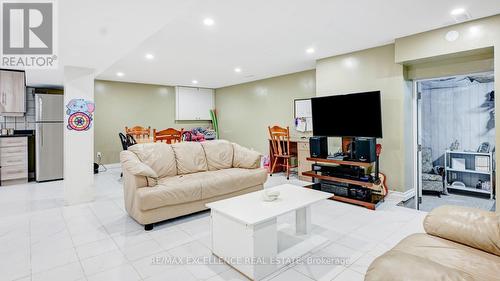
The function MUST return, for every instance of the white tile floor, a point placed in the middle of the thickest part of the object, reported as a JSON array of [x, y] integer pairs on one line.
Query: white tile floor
[[41, 239]]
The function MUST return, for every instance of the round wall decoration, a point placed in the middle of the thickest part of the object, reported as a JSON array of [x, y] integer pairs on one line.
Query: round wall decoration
[[79, 113], [79, 121]]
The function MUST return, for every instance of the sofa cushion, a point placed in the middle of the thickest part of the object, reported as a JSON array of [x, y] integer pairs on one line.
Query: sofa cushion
[[474, 262], [190, 157], [171, 191], [245, 158], [225, 181], [431, 177], [197, 186], [219, 154], [159, 156]]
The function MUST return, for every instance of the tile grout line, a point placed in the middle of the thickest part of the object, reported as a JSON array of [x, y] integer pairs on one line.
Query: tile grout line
[[111, 199], [117, 246], [74, 246], [30, 251], [180, 245]]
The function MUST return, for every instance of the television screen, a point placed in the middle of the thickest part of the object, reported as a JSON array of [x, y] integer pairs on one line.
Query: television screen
[[353, 115]]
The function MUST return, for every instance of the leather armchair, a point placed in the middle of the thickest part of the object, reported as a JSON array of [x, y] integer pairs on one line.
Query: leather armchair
[[432, 176]]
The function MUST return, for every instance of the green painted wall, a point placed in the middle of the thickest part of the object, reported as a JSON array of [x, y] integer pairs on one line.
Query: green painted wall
[[121, 104], [245, 110]]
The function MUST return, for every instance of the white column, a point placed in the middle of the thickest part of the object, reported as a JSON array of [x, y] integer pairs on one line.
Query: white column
[[78, 145]]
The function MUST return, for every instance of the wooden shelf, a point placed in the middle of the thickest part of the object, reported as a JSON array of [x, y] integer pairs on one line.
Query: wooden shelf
[[368, 205], [340, 162], [329, 178]]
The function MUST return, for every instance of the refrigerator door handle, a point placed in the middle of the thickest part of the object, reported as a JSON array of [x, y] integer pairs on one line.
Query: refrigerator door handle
[[40, 108], [41, 135]]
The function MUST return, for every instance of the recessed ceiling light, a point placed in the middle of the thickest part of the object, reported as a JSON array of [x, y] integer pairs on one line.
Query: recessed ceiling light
[[208, 22], [149, 56], [310, 50], [237, 70], [460, 15], [120, 74], [194, 82], [457, 11]]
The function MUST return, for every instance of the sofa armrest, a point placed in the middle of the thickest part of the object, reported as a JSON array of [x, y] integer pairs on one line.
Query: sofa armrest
[[245, 158], [473, 227], [396, 266], [131, 163]]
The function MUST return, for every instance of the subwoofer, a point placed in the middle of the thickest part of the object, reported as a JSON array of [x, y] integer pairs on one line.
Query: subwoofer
[[318, 147]]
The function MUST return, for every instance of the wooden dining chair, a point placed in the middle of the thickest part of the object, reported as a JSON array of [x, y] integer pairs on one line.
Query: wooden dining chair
[[138, 132], [169, 135], [280, 148]]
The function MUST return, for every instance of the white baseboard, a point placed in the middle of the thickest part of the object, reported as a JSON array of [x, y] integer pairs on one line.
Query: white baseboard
[[402, 195]]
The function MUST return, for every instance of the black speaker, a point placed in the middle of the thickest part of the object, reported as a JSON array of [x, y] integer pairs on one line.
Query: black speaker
[[365, 149], [318, 147]]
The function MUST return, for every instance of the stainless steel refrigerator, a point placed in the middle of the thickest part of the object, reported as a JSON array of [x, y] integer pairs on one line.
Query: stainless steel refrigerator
[[49, 114]]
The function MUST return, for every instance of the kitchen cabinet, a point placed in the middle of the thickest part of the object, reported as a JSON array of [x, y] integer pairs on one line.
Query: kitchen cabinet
[[13, 160], [12, 93], [193, 103]]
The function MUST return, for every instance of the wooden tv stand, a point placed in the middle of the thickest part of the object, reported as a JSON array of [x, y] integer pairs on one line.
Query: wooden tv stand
[[376, 198]]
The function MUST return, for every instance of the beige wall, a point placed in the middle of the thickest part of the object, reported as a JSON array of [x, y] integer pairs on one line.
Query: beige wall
[[244, 111], [474, 35], [373, 70], [121, 104], [443, 66]]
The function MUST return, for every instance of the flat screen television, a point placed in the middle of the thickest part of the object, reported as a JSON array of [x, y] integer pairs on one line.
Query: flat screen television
[[352, 115]]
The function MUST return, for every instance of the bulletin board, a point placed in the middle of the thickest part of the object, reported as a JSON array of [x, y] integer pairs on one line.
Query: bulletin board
[[303, 115]]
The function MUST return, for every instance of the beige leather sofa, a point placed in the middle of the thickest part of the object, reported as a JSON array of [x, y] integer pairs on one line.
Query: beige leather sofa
[[163, 181], [460, 244]]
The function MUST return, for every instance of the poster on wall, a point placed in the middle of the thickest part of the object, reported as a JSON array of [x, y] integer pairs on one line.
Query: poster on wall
[[79, 113]]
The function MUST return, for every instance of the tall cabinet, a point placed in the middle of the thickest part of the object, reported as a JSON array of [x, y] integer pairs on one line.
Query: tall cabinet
[[12, 93], [193, 103]]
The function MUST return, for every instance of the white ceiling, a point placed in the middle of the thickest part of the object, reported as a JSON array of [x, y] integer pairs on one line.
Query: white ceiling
[[263, 38]]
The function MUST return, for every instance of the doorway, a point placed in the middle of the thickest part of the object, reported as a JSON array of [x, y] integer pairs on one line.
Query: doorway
[[456, 142]]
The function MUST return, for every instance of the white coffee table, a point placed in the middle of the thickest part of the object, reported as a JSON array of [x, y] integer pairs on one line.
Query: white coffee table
[[245, 232]]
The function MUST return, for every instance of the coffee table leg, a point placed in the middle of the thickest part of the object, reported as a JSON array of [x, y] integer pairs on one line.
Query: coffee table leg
[[303, 220], [241, 245]]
